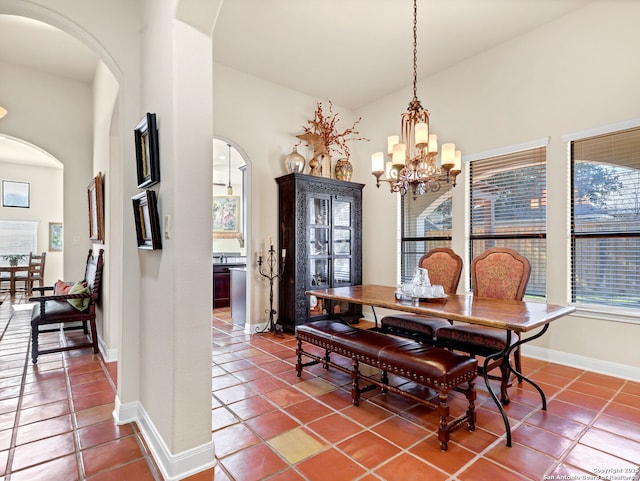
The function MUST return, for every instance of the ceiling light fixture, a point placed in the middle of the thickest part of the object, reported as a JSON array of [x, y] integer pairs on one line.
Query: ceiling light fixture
[[414, 165], [229, 187], [3, 111]]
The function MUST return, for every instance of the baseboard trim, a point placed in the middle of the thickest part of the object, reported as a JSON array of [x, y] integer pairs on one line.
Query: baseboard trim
[[173, 466], [109, 355], [609, 368]]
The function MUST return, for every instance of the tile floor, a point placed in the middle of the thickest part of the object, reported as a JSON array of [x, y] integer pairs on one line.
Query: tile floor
[[56, 424]]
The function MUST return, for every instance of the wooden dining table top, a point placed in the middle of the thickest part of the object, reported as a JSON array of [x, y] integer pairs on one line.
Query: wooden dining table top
[[517, 316]]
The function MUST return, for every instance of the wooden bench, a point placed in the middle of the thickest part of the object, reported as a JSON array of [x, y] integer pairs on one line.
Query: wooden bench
[[56, 309], [433, 367]]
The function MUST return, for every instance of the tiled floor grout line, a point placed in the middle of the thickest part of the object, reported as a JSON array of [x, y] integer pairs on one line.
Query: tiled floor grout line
[[16, 421]]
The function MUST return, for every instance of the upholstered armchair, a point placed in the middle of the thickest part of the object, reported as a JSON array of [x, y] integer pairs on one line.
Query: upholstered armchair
[[444, 267], [497, 273]]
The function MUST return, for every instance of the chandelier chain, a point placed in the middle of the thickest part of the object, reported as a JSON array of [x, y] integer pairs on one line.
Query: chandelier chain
[[415, 49]]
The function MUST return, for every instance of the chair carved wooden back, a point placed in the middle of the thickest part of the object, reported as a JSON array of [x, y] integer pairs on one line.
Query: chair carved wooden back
[[500, 273], [444, 267], [36, 270]]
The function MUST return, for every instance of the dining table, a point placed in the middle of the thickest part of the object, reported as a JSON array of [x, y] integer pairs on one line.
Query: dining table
[[511, 316], [12, 270]]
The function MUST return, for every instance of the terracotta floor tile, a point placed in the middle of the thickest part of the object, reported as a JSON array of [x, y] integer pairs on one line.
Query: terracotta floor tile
[[594, 461], [241, 467], [623, 411], [330, 465], [335, 427], [221, 418], [544, 441], [137, 470], [297, 444], [619, 426], [593, 390], [529, 462], [286, 396], [366, 413], [93, 400], [484, 470], [622, 447], [39, 413], [408, 468], [64, 468], [308, 411], [628, 399], [100, 433], [287, 475], [602, 380], [235, 393], [582, 400], [272, 424], [233, 438], [550, 422], [266, 384], [110, 455], [44, 429], [94, 415], [369, 449], [43, 450], [450, 461], [401, 432], [251, 407], [571, 411]]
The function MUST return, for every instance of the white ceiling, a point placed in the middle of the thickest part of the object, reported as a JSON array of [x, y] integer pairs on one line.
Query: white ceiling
[[351, 52]]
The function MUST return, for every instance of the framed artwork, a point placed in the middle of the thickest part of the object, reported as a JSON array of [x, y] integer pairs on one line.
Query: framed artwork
[[147, 151], [226, 216], [145, 213], [55, 236], [95, 194], [15, 194]]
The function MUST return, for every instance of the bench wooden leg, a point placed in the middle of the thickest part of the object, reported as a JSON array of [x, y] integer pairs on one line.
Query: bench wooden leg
[[443, 429], [471, 409], [355, 378], [327, 359], [385, 381], [299, 363], [34, 344]]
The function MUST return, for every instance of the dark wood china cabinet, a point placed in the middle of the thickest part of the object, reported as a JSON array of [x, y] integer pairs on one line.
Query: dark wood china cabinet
[[321, 230]]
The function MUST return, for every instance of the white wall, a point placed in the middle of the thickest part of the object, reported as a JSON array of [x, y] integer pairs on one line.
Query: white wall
[[578, 72], [45, 185]]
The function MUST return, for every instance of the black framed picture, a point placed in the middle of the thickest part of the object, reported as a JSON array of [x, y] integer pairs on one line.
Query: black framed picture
[[145, 213], [147, 151], [15, 194], [95, 194]]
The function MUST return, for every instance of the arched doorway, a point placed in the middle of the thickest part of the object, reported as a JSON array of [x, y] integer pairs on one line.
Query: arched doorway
[[230, 225]]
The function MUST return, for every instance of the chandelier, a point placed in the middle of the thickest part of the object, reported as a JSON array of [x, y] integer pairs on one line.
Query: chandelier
[[414, 164]]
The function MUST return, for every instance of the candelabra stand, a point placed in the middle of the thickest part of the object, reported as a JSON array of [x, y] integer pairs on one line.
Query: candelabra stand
[[271, 269]]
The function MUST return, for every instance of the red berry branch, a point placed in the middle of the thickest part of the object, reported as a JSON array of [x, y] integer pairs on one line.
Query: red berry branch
[[325, 126]]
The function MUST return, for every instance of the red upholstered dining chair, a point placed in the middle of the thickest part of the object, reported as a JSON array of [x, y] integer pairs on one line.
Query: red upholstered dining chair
[[444, 267], [497, 273]]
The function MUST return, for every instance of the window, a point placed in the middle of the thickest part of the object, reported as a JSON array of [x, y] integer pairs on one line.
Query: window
[[508, 208], [18, 237], [426, 223], [605, 219]]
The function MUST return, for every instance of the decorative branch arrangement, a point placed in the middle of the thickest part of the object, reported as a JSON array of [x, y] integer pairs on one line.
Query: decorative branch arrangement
[[325, 125]]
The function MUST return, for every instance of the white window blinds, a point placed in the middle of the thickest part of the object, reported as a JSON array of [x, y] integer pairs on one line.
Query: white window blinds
[[508, 206], [605, 213]]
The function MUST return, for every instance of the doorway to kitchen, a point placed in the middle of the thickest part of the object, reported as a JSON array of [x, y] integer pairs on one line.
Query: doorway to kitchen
[[229, 229]]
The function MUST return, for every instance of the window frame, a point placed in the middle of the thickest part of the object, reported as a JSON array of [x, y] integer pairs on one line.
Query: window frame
[[601, 311]]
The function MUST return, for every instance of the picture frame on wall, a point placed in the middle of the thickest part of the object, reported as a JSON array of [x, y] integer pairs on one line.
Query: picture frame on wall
[[16, 194], [95, 193], [147, 220], [147, 151], [226, 216], [55, 236]]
